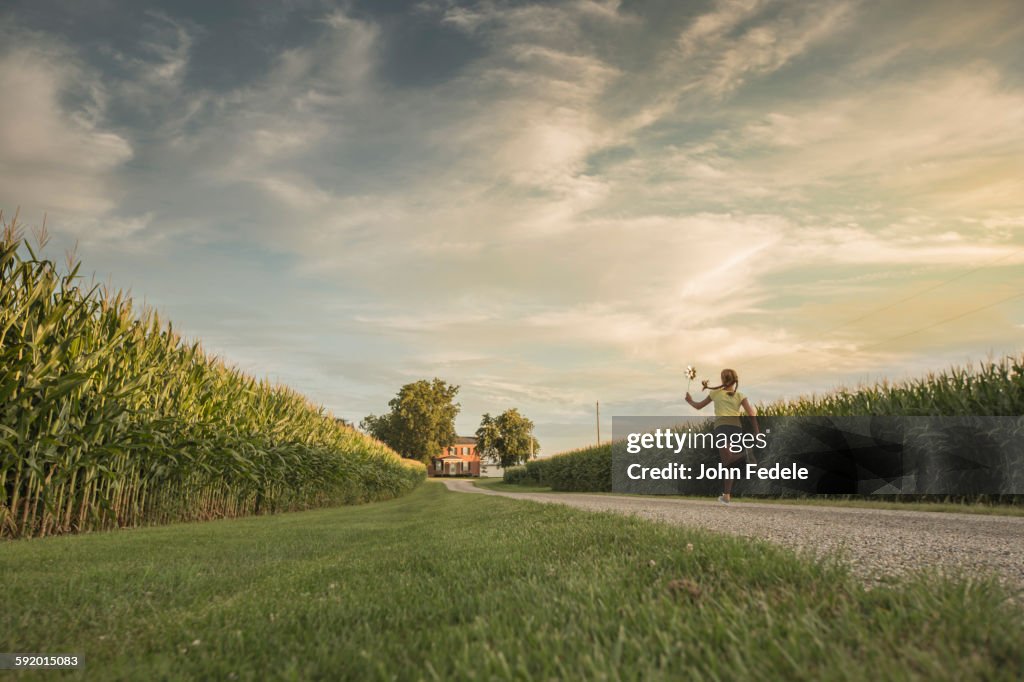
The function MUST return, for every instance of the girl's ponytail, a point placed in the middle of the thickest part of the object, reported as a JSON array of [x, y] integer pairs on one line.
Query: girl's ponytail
[[729, 378]]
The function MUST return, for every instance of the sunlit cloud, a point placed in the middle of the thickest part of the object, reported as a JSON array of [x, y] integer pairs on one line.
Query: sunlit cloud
[[52, 157], [549, 204]]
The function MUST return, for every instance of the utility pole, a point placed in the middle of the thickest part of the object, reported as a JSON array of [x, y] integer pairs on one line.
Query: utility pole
[[597, 407]]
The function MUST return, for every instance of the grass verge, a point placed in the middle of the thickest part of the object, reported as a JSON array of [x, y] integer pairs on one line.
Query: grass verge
[[439, 585], [498, 485]]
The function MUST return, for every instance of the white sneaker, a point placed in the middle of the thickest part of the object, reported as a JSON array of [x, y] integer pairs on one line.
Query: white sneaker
[[721, 498]]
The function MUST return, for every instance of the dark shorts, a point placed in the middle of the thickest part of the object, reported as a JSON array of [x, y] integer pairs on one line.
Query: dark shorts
[[727, 430]]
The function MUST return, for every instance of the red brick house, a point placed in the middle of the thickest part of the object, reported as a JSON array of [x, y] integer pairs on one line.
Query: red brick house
[[458, 459]]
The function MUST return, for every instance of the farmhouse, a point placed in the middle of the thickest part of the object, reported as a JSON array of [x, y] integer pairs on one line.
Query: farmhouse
[[458, 459]]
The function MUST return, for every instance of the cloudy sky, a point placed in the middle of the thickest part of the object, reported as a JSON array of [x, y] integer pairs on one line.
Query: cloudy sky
[[548, 204]]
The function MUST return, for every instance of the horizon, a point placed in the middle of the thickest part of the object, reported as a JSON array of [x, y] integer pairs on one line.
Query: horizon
[[547, 205]]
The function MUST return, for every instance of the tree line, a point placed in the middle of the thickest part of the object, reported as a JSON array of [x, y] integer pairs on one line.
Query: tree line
[[421, 424]]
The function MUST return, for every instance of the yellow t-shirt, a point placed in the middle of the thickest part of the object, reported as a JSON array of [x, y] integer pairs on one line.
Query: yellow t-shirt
[[728, 408]]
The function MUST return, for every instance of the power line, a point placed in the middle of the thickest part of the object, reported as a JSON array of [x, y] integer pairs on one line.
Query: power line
[[895, 303], [1019, 294], [918, 293]]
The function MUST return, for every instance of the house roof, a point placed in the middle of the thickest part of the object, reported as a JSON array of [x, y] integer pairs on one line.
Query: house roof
[[461, 458], [464, 440]]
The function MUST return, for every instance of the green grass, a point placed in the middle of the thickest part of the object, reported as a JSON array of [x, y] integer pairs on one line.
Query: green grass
[[498, 485], [440, 585]]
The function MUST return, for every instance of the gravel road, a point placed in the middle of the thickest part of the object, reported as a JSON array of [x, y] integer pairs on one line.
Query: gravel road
[[878, 543]]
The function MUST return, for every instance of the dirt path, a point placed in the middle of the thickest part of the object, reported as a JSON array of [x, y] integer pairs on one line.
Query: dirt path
[[877, 542]]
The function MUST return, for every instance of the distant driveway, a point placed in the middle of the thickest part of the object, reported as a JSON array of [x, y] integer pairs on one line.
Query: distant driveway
[[877, 542]]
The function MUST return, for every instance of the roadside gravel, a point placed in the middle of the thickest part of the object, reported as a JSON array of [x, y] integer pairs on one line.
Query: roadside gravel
[[878, 543]]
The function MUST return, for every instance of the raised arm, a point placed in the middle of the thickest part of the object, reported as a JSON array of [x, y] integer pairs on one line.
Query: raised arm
[[701, 405], [752, 413]]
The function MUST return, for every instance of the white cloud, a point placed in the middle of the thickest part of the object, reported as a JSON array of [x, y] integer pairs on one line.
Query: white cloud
[[767, 49], [945, 142], [51, 159], [168, 50], [945, 115]]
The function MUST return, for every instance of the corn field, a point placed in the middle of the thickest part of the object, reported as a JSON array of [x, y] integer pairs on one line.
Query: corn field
[[108, 419], [992, 389]]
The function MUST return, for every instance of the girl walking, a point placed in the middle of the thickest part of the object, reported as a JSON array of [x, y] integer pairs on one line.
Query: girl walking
[[728, 401]]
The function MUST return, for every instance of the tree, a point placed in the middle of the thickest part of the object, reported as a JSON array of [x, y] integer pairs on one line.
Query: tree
[[421, 422], [488, 439], [506, 439]]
